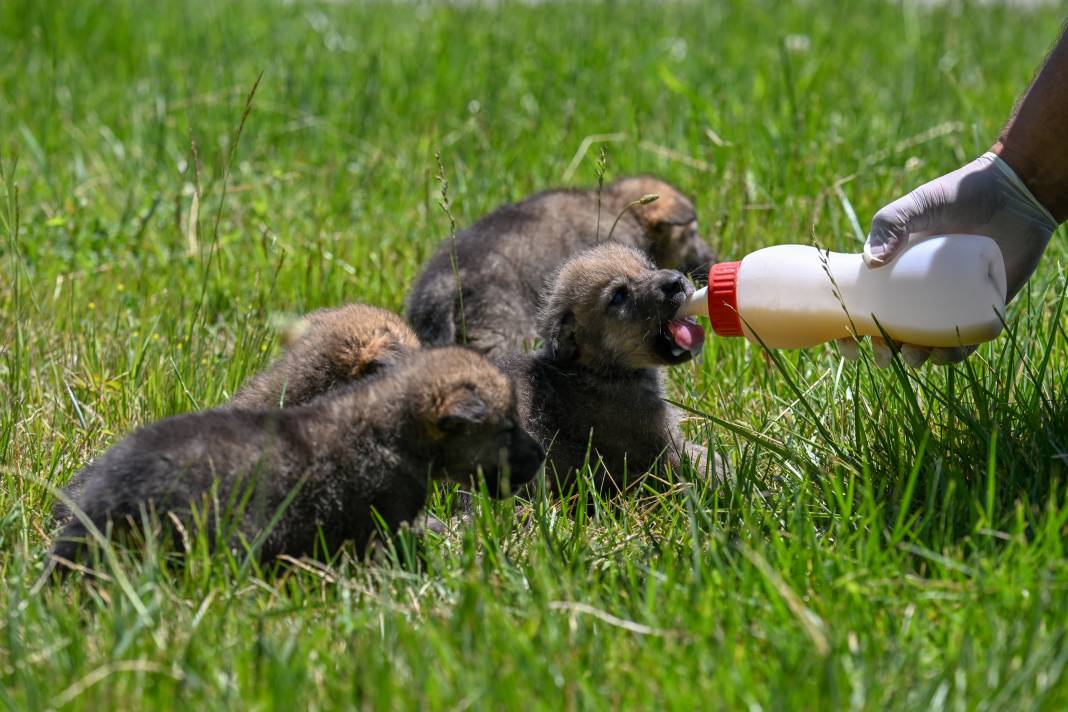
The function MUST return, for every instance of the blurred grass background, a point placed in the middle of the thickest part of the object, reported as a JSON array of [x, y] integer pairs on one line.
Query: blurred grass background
[[895, 540]]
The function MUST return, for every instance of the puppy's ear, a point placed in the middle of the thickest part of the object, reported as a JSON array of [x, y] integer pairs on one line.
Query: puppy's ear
[[563, 343], [461, 411]]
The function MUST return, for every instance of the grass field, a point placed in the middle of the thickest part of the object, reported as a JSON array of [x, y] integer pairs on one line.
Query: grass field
[[895, 540]]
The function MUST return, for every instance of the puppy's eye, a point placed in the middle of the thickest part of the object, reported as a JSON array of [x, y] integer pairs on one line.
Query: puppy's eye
[[619, 297], [507, 426]]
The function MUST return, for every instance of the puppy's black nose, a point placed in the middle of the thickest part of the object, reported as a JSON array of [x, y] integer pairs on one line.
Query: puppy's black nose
[[672, 283]]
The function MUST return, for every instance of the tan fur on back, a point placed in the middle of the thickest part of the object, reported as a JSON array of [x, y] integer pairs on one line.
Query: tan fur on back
[[326, 349]]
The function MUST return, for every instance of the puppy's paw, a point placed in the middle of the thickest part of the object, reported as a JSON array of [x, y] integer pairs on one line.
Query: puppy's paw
[[708, 465], [425, 522]]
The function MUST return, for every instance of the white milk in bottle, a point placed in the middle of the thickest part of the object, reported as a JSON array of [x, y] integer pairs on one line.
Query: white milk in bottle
[[946, 290]]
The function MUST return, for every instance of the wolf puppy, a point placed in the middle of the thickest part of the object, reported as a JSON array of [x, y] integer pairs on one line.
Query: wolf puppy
[[332, 347], [502, 260], [369, 448], [597, 385]]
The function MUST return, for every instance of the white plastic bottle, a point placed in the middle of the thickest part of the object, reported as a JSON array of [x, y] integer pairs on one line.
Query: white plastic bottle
[[946, 290]]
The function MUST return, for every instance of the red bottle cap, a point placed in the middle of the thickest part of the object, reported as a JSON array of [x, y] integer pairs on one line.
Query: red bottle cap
[[722, 301]]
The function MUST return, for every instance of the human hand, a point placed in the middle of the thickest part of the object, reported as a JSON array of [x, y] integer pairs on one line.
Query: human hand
[[984, 197]]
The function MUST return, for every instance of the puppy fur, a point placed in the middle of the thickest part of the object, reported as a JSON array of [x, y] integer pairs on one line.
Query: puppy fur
[[332, 347], [596, 385], [503, 259], [443, 413], [325, 350]]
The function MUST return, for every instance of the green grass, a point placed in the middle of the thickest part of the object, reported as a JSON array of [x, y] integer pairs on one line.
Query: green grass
[[895, 539]]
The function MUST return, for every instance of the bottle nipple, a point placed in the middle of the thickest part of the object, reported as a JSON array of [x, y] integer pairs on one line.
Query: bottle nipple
[[696, 305]]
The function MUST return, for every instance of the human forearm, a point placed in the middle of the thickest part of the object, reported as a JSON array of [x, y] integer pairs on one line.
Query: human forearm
[[1035, 140]]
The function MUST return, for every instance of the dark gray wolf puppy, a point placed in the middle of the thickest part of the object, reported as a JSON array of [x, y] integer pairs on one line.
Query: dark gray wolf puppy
[[504, 258], [331, 347], [597, 383], [371, 447]]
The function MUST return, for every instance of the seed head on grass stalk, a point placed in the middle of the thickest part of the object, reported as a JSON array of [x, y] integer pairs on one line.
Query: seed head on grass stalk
[[825, 256], [222, 198], [602, 166], [453, 261], [192, 227], [12, 220], [644, 200]]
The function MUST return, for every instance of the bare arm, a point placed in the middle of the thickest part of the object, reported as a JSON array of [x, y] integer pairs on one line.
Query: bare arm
[[1035, 141]]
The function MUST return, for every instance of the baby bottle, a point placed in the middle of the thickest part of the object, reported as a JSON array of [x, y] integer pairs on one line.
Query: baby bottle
[[945, 290]]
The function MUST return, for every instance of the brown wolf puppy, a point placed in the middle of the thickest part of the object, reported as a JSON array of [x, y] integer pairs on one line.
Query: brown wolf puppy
[[333, 347], [597, 384], [504, 257], [371, 447]]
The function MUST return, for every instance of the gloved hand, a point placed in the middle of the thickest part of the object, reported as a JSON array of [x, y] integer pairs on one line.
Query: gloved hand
[[984, 197]]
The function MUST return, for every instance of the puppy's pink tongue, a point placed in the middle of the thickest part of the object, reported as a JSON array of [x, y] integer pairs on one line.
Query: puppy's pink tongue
[[687, 334]]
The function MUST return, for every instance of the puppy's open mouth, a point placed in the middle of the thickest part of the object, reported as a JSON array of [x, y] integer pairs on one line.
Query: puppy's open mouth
[[680, 340]]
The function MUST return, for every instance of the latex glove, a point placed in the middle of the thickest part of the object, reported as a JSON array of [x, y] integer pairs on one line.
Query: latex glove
[[984, 197]]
